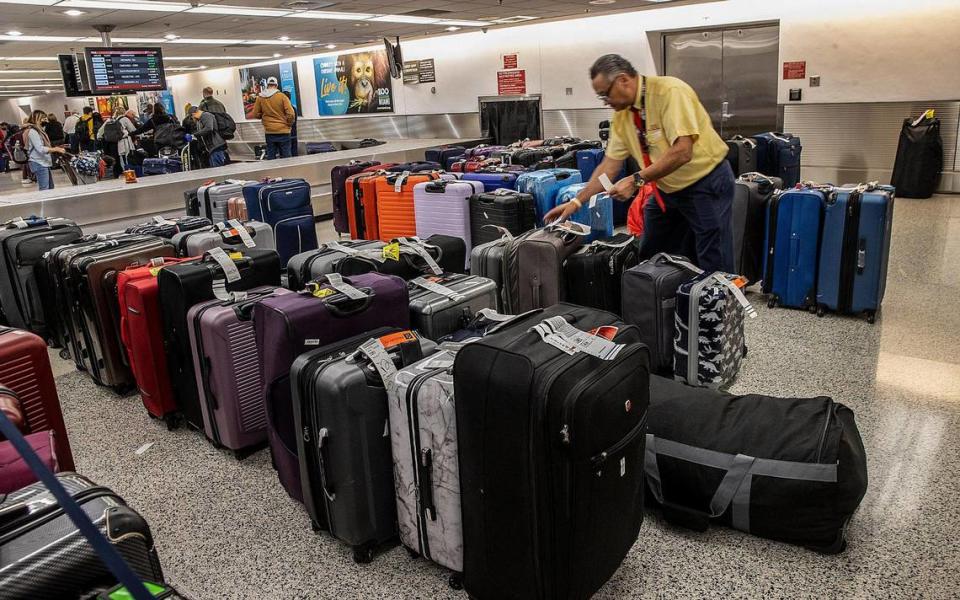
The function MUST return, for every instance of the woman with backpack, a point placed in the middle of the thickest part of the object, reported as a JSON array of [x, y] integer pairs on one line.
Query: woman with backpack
[[158, 117], [115, 139], [39, 149]]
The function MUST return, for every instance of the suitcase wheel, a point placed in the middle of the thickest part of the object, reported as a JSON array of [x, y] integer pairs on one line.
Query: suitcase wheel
[[363, 554], [413, 553], [456, 581], [316, 527], [821, 311], [171, 421], [771, 302], [64, 354], [871, 317]]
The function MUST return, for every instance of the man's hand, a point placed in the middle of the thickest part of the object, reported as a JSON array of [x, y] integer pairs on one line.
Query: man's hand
[[563, 212], [625, 189]]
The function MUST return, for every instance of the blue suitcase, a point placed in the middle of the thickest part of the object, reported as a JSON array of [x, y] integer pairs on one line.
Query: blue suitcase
[[794, 219], [855, 250], [493, 181], [161, 166], [588, 161], [545, 186], [440, 154], [599, 217], [778, 155], [320, 147], [284, 205]]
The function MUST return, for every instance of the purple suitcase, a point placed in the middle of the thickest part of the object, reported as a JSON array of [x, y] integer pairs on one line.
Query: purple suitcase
[[493, 181], [289, 325], [227, 372], [444, 207], [485, 150]]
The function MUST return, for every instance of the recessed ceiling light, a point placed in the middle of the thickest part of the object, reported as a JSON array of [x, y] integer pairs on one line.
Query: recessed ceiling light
[[601, 2], [74, 12], [284, 38], [14, 33], [203, 66], [330, 46], [277, 55], [171, 36], [361, 24], [453, 28]]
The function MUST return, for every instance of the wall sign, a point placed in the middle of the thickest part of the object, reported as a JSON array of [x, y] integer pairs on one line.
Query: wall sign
[[512, 83], [511, 61], [419, 71], [795, 70], [354, 83]]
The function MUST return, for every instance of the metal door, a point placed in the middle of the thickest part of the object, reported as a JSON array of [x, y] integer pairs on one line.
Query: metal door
[[740, 88]]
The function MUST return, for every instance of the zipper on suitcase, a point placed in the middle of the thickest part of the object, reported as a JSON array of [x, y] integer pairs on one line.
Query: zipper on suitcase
[[826, 425], [413, 423], [849, 252], [767, 286]]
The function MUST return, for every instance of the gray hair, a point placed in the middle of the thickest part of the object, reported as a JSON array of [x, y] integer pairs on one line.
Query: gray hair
[[612, 65]]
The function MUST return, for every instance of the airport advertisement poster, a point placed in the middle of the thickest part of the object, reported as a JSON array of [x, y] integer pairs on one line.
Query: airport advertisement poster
[[355, 83], [253, 81]]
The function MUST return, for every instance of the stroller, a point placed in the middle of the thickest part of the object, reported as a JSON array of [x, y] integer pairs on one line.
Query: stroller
[[85, 168]]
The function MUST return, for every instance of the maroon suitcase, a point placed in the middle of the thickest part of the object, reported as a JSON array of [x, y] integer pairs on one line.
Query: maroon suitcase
[[25, 369], [289, 325]]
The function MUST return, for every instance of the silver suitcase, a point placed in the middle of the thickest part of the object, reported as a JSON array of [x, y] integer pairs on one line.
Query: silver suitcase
[[213, 198], [195, 243], [441, 305]]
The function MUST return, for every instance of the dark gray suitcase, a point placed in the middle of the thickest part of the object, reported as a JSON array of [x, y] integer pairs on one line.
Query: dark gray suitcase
[[486, 260], [307, 266], [441, 305], [533, 268], [749, 215], [742, 154], [649, 301]]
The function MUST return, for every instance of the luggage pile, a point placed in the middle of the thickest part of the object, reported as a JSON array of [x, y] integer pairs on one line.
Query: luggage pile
[[773, 154]]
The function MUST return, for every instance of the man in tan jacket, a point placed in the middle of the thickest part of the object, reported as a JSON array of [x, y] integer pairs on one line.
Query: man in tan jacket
[[277, 115]]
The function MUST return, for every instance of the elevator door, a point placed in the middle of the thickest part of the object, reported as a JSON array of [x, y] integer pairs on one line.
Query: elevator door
[[734, 71]]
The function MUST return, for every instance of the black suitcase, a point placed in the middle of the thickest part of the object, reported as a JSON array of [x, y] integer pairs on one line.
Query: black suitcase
[[23, 244], [183, 285], [528, 156], [511, 210], [742, 155], [449, 252], [167, 228], [916, 171], [551, 454], [788, 469], [341, 411], [191, 202], [649, 299], [594, 273], [749, 213]]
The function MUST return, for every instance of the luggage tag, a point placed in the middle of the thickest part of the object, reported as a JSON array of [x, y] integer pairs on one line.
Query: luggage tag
[[375, 350], [398, 184], [605, 182], [230, 270], [417, 248], [242, 232], [221, 293], [162, 221], [571, 227], [737, 293], [19, 223], [376, 255], [557, 332], [432, 286], [337, 282]]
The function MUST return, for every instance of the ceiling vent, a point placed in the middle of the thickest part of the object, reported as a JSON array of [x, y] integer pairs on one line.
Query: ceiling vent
[[516, 19], [428, 12], [306, 5]]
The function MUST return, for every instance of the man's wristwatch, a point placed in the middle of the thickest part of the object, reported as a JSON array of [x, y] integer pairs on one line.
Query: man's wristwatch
[[638, 180]]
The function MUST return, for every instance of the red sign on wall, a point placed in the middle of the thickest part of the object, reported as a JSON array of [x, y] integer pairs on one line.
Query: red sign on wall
[[512, 83], [511, 61], [795, 70]]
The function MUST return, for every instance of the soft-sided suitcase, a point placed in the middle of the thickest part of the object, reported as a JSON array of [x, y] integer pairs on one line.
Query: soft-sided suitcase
[[751, 196], [594, 273], [545, 186], [414, 167], [44, 555], [916, 171], [855, 250], [441, 305], [215, 197], [361, 192], [192, 282], [25, 370], [742, 155], [326, 259], [395, 206], [289, 325], [342, 410], [787, 469], [408, 258], [649, 302], [778, 155], [320, 147], [161, 166], [533, 268], [709, 343], [493, 181], [228, 379], [792, 242], [169, 228], [237, 209], [441, 154], [284, 205], [141, 330], [504, 208], [526, 157], [225, 235], [23, 243], [443, 207], [550, 424], [596, 213], [338, 191]]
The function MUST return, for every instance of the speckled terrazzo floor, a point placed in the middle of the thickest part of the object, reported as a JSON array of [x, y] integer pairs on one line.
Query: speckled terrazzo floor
[[226, 529]]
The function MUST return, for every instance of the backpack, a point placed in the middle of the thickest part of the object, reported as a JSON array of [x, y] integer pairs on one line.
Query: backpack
[[169, 135], [112, 132], [82, 130], [16, 144], [226, 126]]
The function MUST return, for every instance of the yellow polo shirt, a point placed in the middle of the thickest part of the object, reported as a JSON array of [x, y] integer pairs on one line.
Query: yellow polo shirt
[[673, 111]]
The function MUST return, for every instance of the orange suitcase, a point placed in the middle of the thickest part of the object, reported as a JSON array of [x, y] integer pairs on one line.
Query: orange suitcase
[[361, 193], [395, 208], [237, 209]]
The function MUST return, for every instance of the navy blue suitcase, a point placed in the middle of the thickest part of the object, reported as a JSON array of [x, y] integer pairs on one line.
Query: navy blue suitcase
[[161, 166], [855, 250], [414, 167], [587, 162], [441, 154], [778, 155], [320, 147], [284, 204], [493, 181], [794, 221]]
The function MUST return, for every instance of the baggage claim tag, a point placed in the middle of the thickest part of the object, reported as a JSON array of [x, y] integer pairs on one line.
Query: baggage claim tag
[[345, 288], [392, 251], [418, 248], [375, 350], [581, 341], [432, 286], [605, 182], [230, 270], [19, 223], [162, 221], [242, 232]]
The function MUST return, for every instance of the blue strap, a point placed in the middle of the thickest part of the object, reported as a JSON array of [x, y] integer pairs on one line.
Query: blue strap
[[108, 554]]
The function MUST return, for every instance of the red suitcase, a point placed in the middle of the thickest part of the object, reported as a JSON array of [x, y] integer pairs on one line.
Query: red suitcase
[[25, 369], [141, 329]]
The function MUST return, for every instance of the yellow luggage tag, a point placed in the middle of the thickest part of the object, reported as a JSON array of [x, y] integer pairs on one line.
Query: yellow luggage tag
[[236, 255], [320, 292], [392, 251]]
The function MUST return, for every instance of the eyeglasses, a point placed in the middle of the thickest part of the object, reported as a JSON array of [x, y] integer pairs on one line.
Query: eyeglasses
[[606, 95]]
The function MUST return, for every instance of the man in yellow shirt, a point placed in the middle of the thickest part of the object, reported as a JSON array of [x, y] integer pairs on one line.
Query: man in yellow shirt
[[661, 123]]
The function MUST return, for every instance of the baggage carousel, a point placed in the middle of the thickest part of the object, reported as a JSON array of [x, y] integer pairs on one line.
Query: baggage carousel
[[113, 205]]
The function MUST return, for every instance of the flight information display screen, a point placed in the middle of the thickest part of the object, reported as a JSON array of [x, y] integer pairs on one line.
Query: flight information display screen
[[125, 70]]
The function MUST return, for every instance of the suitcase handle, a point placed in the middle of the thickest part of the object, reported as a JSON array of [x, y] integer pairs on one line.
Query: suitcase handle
[[324, 446], [425, 489], [342, 307]]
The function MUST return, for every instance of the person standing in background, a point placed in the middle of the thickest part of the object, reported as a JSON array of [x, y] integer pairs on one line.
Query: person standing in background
[[39, 149], [277, 115], [69, 128], [54, 130], [211, 104], [87, 128], [207, 133], [294, 142]]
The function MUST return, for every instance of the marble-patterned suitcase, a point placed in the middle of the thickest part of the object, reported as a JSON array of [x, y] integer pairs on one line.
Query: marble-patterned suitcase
[[423, 433]]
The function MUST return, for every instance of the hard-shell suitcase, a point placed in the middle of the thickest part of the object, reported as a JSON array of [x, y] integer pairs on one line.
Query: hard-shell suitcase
[[545, 186], [794, 221], [237, 209], [596, 213], [594, 273], [168, 228], [326, 259], [228, 378], [289, 325], [408, 258], [395, 205], [742, 155], [92, 287], [508, 209], [441, 154], [44, 555], [192, 282], [649, 302], [214, 198], [23, 243], [916, 171], [443, 207], [161, 166], [778, 155], [25, 370], [486, 260], [342, 410], [588, 161], [485, 150], [191, 202], [361, 197], [338, 191], [855, 250], [749, 213], [787, 469], [533, 268], [493, 181], [441, 305], [141, 330], [225, 235], [285, 206], [551, 453]]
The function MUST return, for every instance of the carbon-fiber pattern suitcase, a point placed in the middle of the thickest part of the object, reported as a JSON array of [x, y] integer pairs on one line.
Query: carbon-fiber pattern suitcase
[[443, 207], [437, 312]]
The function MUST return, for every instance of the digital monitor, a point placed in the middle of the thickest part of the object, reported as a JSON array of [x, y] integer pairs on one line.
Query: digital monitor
[[125, 70], [73, 72]]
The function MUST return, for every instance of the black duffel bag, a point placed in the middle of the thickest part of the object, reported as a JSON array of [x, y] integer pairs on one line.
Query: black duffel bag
[[787, 469]]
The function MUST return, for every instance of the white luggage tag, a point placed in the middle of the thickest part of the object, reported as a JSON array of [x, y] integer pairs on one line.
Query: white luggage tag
[[374, 350], [242, 232], [398, 184], [221, 293], [571, 227], [684, 264], [557, 332], [230, 270], [19, 223], [437, 288], [159, 220], [605, 182], [336, 282], [737, 293], [417, 247]]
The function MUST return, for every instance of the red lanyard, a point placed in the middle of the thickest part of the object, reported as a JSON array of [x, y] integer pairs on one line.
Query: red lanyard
[[640, 121]]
